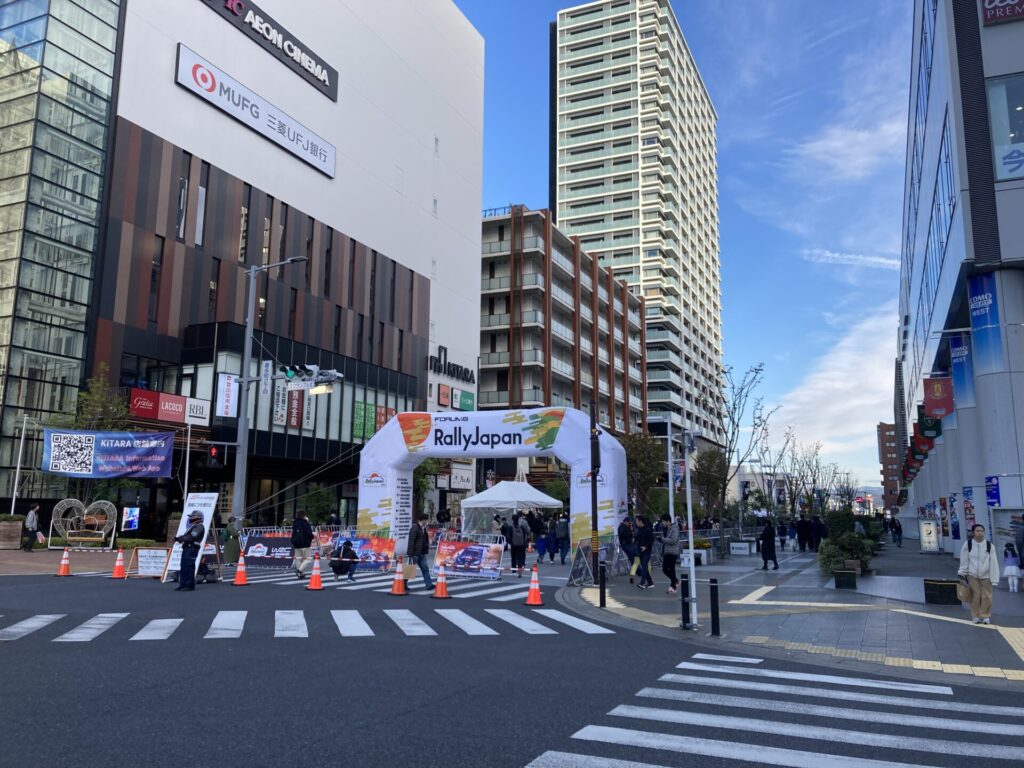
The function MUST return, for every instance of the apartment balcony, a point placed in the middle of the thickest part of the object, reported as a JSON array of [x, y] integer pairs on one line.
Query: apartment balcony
[[573, 89], [586, 345], [636, 402], [567, 72], [605, 226], [662, 396], [606, 47], [603, 190], [609, 243], [664, 356], [589, 138], [590, 210], [586, 281], [562, 401], [569, 177], [602, 386], [502, 246], [618, 335], [635, 373], [532, 317], [562, 261], [563, 367], [634, 318], [634, 346], [665, 337], [500, 284], [566, 123], [533, 396], [662, 375], [567, 22], [563, 296], [505, 359], [563, 332]]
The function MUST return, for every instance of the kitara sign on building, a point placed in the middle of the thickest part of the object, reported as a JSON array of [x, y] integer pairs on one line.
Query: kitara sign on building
[[387, 461], [107, 455]]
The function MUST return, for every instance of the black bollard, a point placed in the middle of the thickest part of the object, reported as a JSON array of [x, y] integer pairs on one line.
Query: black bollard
[[684, 589], [601, 568], [716, 630]]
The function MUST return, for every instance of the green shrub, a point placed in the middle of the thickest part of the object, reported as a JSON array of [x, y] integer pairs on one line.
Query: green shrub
[[847, 546], [839, 523], [128, 544], [657, 503], [12, 518]]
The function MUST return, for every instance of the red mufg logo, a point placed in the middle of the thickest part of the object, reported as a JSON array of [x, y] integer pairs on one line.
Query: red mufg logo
[[204, 78], [235, 6]]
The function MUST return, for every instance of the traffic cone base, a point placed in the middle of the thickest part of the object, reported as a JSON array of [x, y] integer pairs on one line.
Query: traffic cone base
[[64, 569], [533, 597], [398, 585], [441, 587], [241, 580], [119, 566], [315, 582]]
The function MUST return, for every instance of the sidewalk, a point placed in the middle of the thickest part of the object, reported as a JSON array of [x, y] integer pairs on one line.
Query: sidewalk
[[885, 621], [14, 562]]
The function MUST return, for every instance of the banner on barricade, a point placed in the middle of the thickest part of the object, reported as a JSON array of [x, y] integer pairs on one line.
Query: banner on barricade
[[375, 552], [469, 558], [268, 549]]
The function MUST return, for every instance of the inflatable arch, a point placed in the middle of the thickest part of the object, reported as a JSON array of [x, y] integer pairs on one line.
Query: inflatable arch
[[390, 456]]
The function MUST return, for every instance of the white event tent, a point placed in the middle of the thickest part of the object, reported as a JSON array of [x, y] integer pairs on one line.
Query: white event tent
[[506, 496]]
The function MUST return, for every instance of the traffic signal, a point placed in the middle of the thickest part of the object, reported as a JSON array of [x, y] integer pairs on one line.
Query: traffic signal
[[300, 372], [213, 458]]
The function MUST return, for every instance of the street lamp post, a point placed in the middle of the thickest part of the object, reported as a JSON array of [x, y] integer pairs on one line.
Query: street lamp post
[[242, 442]]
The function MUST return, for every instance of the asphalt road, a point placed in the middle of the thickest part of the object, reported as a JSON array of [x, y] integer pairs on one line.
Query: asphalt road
[[102, 673]]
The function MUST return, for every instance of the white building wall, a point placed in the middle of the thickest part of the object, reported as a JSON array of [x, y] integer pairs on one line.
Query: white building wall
[[410, 72]]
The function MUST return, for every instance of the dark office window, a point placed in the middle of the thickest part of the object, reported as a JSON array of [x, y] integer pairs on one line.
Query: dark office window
[[309, 254], [154, 281], [293, 306], [337, 329], [359, 336], [328, 255], [412, 295], [394, 269], [281, 237], [490, 305], [401, 348], [214, 282], [262, 308], [243, 226], [501, 232], [266, 233], [494, 342], [183, 174], [380, 343], [352, 273], [373, 285], [204, 180], [490, 271]]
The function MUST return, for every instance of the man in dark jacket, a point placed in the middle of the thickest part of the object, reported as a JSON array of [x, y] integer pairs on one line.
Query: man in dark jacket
[[768, 545], [302, 537], [803, 533], [645, 547], [562, 536], [419, 547], [191, 540]]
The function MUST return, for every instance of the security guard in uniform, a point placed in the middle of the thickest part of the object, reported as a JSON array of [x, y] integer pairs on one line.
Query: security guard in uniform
[[190, 541]]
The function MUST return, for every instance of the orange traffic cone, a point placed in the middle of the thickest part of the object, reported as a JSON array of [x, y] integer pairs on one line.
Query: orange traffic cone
[[119, 566], [240, 578], [441, 587], [398, 585], [533, 596], [64, 569], [314, 581]]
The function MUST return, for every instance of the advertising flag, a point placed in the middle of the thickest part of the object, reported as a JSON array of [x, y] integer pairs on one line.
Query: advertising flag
[[938, 397], [921, 444], [930, 426], [963, 371], [986, 335], [107, 455]]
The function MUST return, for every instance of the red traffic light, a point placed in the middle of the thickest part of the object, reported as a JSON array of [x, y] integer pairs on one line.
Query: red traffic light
[[213, 452]]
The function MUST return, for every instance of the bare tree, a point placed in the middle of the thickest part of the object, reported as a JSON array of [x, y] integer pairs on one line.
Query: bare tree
[[821, 477], [846, 489], [770, 461], [793, 473]]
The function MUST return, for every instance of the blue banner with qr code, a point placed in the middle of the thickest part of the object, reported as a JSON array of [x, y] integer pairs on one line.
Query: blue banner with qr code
[[106, 455]]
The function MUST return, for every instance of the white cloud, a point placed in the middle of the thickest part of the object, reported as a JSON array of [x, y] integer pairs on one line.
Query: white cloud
[[846, 393], [822, 256], [843, 152]]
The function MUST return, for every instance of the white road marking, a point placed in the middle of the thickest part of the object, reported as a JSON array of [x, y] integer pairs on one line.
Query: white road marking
[[733, 659], [28, 626], [409, 623], [528, 626], [465, 622], [290, 624], [741, 752], [812, 678], [351, 624], [819, 733], [868, 698], [817, 710], [92, 628], [753, 597], [573, 621], [226, 625], [569, 760], [510, 598], [492, 590], [157, 629]]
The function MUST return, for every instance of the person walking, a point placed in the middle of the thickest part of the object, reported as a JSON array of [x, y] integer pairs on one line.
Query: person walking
[[897, 533], [1011, 566], [668, 535], [645, 547], [782, 536], [562, 540], [540, 538], [302, 537], [520, 536], [768, 545], [980, 566], [792, 535], [419, 547], [190, 541], [628, 546], [803, 533], [31, 527], [496, 526]]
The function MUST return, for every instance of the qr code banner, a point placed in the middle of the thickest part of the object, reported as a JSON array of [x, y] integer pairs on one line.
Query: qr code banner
[[107, 454], [72, 453]]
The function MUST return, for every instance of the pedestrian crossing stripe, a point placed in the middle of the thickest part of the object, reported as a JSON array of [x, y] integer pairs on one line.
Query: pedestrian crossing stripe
[[808, 677], [229, 625], [684, 729]]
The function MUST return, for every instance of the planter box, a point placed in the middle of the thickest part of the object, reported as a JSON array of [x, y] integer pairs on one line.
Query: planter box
[[703, 556], [10, 534], [846, 579], [940, 592], [852, 565], [741, 548]]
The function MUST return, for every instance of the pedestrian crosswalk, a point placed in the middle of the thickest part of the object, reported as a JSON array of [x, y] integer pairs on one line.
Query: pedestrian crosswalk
[[298, 624], [743, 712]]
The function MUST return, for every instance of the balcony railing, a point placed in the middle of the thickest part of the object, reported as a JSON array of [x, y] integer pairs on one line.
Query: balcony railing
[[530, 280], [502, 246], [506, 358]]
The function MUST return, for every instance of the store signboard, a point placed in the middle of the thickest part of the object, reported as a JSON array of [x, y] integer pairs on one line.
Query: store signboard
[[929, 535], [196, 74], [227, 395], [1001, 11]]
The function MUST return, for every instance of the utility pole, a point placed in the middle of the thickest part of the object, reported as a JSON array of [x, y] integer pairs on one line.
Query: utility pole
[[595, 469]]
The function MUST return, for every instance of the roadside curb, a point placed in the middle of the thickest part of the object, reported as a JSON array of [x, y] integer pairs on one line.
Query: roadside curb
[[570, 597]]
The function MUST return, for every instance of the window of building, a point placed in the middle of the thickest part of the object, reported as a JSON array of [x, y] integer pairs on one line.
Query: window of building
[[352, 273], [243, 226], [293, 306], [361, 331], [183, 174], [337, 329], [154, 281], [266, 231], [1006, 120], [214, 282], [328, 258], [401, 348], [262, 308], [204, 180]]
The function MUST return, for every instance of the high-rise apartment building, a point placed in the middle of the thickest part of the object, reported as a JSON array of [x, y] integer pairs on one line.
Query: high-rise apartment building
[[962, 282], [555, 327], [633, 175], [890, 456]]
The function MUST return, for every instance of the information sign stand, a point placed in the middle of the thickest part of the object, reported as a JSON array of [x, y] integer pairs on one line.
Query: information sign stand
[[149, 562]]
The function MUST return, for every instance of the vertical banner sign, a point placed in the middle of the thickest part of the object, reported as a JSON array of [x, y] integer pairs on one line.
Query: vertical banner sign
[[203, 503], [358, 417], [130, 519], [968, 496], [369, 419], [992, 490], [294, 409], [986, 335], [930, 426], [307, 412], [938, 397], [266, 377], [963, 371], [227, 395], [280, 417]]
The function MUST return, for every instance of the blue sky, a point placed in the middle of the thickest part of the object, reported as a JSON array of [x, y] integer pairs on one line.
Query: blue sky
[[812, 106]]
